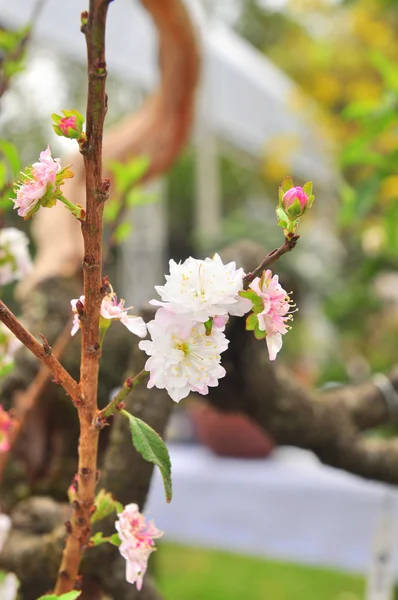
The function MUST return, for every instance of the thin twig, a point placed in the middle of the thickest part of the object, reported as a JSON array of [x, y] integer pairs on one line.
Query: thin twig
[[273, 256], [42, 352], [31, 395], [128, 385]]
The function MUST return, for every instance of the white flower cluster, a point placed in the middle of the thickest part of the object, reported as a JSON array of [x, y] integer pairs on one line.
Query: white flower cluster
[[188, 330]]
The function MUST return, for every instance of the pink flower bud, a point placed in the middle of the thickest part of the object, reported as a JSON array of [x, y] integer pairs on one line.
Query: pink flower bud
[[289, 198], [67, 123]]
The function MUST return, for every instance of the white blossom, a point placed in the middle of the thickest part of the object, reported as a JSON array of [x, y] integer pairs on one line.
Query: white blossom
[[202, 289], [182, 357]]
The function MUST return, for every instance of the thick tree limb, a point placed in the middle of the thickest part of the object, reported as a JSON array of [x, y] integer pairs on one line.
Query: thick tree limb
[[329, 423]]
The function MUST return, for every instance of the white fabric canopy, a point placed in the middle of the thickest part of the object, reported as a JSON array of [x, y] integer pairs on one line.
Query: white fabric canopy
[[247, 97], [288, 507]]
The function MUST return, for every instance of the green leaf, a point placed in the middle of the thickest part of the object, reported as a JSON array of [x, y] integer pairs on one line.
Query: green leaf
[[251, 322], [209, 325], [258, 334], [307, 187], [127, 175], [137, 197], [151, 447], [105, 505], [3, 174], [122, 232], [11, 154], [68, 596], [294, 209], [287, 184], [115, 539], [111, 210]]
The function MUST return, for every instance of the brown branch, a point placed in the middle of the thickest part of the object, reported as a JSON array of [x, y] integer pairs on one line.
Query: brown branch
[[330, 424], [129, 384], [42, 352], [96, 193], [273, 256], [32, 394]]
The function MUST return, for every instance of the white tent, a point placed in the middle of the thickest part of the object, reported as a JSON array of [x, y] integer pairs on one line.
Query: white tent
[[247, 99], [245, 102]]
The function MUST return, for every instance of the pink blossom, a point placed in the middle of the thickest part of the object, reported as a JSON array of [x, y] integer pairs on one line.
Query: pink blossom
[[112, 309], [66, 123], [274, 317], [5, 427], [47, 168], [40, 179], [295, 193], [137, 537]]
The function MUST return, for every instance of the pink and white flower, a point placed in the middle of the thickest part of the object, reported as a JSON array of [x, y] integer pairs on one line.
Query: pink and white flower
[[39, 180], [182, 357], [275, 315], [5, 429], [201, 289], [137, 536], [112, 309], [15, 261]]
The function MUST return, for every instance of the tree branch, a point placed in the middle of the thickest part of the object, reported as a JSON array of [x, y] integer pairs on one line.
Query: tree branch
[[272, 257], [96, 193], [42, 351], [32, 394]]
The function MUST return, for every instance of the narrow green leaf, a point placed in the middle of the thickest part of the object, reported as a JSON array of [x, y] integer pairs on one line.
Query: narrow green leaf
[[152, 448], [208, 326], [287, 184], [295, 209], [68, 596], [307, 187], [251, 322], [115, 539], [258, 334], [105, 505], [249, 294]]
